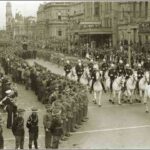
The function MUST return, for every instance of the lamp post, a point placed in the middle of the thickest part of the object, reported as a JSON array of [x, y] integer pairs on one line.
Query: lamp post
[[129, 39]]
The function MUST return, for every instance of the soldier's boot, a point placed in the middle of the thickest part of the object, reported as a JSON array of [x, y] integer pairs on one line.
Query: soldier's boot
[[35, 144], [30, 146]]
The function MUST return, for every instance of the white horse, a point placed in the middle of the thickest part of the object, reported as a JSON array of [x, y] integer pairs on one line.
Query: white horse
[[131, 86], [117, 88], [85, 76], [72, 75], [97, 89], [143, 84], [147, 91]]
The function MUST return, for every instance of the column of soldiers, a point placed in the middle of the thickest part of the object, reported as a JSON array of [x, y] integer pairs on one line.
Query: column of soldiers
[[66, 103]]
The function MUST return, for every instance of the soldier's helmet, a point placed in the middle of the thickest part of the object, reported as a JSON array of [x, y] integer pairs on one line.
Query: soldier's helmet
[[139, 65], [120, 61], [91, 60], [20, 110], [104, 60], [95, 67], [67, 61], [112, 65], [127, 65], [56, 112], [34, 109]]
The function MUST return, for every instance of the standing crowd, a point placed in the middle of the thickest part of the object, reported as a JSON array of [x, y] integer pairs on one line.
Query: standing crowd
[[66, 102]]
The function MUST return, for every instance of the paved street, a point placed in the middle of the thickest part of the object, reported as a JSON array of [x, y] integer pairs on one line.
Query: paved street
[[111, 126]]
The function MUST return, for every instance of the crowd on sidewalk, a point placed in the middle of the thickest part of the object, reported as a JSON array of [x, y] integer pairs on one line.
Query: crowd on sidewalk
[[66, 102]]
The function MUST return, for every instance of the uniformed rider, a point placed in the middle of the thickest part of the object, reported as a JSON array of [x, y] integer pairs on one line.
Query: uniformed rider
[[67, 68], [79, 69]]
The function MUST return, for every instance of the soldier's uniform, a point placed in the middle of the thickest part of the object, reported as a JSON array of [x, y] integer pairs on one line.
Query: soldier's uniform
[[56, 128], [120, 68], [112, 74], [79, 70], [32, 125], [104, 67], [47, 121], [18, 129]]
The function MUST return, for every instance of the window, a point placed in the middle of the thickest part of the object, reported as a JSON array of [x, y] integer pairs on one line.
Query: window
[[59, 33], [146, 9], [140, 9], [59, 16], [96, 8]]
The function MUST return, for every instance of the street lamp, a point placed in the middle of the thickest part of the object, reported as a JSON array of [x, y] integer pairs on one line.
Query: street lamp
[[129, 47], [129, 39]]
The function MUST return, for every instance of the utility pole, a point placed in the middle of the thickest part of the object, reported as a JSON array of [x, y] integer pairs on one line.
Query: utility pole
[[129, 39]]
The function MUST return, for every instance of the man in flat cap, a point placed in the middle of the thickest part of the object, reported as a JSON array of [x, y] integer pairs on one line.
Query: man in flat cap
[[47, 121], [56, 128], [32, 125], [10, 106], [18, 129]]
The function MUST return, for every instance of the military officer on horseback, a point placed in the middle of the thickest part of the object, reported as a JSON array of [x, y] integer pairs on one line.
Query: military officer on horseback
[[67, 68], [104, 67], [79, 70], [127, 73], [93, 77], [112, 74], [120, 68]]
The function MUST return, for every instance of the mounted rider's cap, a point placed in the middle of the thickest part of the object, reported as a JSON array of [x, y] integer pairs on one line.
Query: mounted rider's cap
[[139, 65], [79, 61], [120, 61], [91, 60], [112, 65], [67, 61], [127, 65], [95, 66], [104, 60]]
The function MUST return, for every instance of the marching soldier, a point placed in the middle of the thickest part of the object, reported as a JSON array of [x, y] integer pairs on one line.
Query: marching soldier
[[67, 68], [18, 129], [56, 128], [47, 121], [32, 125], [79, 70]]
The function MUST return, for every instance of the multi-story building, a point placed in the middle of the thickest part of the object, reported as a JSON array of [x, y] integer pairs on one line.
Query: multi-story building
[[52, 21], [78, 22], [9, 19], [19, 27], [131, 16]]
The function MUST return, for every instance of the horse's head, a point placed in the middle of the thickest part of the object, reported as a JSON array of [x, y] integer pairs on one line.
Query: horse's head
[[121, 80], [135, 76], [147, 76]]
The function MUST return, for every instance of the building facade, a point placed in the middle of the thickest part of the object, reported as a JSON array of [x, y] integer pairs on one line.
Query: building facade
[[131, 16]]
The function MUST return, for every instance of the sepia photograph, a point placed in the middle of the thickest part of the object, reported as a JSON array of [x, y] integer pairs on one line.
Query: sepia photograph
[[75, 74]]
